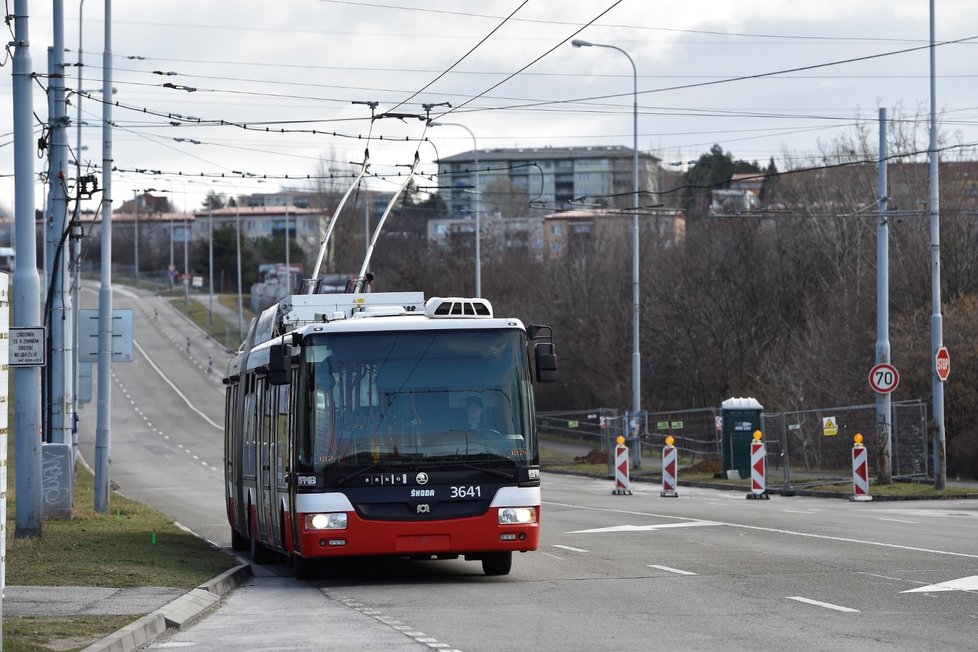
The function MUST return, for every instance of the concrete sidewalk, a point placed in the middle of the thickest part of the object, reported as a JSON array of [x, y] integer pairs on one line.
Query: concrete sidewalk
[[163, 608]]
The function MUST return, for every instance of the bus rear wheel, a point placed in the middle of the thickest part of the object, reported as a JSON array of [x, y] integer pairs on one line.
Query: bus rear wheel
[[497, 563], [238, 541], [304, 569], [260, 554]]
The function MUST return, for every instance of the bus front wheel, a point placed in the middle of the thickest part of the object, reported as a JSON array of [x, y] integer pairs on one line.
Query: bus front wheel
[[497, 563]]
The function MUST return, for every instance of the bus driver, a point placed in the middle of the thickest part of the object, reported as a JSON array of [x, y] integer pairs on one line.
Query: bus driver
[[473, 412]]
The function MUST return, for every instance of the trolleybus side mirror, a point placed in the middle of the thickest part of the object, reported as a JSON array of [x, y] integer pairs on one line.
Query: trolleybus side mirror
[[278, 364], [546, 362], [545, 357]]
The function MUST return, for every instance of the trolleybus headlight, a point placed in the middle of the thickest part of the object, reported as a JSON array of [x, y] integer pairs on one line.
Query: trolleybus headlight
[[336, 521], [517, 515]]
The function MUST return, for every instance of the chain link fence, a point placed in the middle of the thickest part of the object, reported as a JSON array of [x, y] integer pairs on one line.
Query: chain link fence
[[803, 447]]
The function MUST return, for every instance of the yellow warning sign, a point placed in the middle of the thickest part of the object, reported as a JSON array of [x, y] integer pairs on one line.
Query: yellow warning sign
[[829, 426]]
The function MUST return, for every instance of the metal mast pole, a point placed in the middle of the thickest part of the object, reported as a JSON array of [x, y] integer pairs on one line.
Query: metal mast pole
[[210, 268], [237, 223], [186, 259], [135, 236], [103, 435], [288, 266], [57, 317], [76, 246], [936, 320], [883, 422], [478, 204], [26, 301], [636, 355]]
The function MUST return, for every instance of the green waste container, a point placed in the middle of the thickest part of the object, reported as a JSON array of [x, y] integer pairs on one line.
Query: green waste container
[[741, 417]]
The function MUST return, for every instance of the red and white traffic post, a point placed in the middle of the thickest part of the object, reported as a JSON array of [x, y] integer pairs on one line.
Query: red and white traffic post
[[621, 469], [860, 471], [758, 469], [669, 469]]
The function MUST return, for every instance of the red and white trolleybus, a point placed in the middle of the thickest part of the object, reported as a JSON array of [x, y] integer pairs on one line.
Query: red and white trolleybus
[[383, 424]]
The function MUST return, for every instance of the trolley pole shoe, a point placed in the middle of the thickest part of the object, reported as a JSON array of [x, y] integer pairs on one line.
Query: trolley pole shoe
[[860, 471], [758, 469], [669, 470], [621, 469]]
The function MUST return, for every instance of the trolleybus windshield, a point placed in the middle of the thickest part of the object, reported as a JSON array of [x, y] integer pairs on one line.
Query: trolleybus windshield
[[404, 397]]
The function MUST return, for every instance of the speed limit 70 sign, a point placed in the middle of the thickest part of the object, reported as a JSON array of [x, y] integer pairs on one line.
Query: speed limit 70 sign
[[884, 378]]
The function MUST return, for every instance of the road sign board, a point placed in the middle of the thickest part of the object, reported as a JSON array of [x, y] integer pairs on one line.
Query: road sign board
[[884, 378], [27, 346], [942, 362], [830, 426]]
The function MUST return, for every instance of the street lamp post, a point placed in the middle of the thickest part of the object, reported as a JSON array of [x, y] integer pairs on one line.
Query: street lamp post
[[135, 236], [478, 204], [636, 357]]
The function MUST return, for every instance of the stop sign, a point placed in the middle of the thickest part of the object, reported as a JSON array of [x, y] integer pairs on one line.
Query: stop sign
[[942, 363]]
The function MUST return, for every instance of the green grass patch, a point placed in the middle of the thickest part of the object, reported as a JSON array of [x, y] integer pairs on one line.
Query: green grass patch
[[67, 633], [130, 546], [894, 489], [212, 323]]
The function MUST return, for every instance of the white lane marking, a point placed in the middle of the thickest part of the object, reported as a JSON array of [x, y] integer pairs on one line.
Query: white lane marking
[[795, 511], [963, 584], [572, 549], [887, 577], [895, 520], [808, 535], [379, 616], [554, 556], [170, 383], [827, 605], [643, 528], [669, 569]]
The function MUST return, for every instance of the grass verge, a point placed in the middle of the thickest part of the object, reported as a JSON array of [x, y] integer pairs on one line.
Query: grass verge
[[130, 546], [554, 459], [213, 324]]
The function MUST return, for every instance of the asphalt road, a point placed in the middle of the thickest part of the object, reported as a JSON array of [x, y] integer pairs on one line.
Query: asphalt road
[[706, 570]]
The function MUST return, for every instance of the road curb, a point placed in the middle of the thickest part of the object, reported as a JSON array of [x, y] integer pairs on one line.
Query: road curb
[[173, 615]]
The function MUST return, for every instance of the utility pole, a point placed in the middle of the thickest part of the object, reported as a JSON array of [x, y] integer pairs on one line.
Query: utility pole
[[135, 235], [936, 320], [883, 421], [237, 224], [76, 246], [288, 266], [186, 260], [27, 308], [210, 269], [57, 306], [103, 435]]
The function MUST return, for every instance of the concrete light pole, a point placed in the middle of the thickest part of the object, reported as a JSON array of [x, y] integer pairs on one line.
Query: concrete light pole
[[636, 357], [478, 204], [936, 319], [26, 305], [103, 435]]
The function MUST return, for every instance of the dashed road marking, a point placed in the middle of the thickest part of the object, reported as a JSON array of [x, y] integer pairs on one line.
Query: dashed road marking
[[826, 605], [670, 569], [571, 548]]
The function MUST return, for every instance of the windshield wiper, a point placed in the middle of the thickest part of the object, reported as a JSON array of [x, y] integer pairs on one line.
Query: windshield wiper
[[495, 472], [356, 474]]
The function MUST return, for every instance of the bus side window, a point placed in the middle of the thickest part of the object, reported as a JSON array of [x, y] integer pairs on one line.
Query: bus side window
[[323, 425]]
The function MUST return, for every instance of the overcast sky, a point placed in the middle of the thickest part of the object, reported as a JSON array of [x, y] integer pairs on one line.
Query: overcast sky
[[506, 67]]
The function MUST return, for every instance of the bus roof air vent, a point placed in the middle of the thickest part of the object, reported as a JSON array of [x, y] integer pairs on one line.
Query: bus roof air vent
[[456, 307]]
